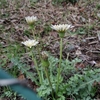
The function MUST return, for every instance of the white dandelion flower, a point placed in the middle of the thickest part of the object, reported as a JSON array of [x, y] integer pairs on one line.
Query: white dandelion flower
[[31, 19], [61, 27], [30, 43]]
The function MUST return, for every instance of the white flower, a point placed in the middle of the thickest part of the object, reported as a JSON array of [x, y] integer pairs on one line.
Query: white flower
[[30, 43], [31, 19], [61, 27], [98, 15]]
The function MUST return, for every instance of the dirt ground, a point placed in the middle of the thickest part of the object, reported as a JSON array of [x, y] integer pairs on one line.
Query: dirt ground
[[82, 41]]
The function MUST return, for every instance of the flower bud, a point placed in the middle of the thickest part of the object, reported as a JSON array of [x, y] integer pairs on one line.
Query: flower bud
[[45, 61]]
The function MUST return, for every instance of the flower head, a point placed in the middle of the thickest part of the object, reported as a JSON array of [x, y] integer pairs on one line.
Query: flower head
[[61, 28], [31, 19], [30, 43]]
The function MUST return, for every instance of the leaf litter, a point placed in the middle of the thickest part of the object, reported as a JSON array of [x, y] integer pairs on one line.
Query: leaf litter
[[84, 17]]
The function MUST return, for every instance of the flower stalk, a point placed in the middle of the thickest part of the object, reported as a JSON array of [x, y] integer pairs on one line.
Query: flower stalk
[[59, 68], [30, 43], [61, 29], [32, 27], [48, 77], [45, 64], [37, 68]]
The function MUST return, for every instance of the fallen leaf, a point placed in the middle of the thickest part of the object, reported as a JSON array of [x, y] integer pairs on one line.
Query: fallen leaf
[[80, 65], [21, 77]]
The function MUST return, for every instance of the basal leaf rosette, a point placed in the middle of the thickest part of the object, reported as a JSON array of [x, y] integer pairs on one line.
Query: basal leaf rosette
[[29, 43], [61, 29]]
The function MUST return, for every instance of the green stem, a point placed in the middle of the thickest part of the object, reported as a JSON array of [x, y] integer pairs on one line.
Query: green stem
[[34, 34], [37, 69], [59, 68], [38, 49], [32, 27], [48, 77]]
